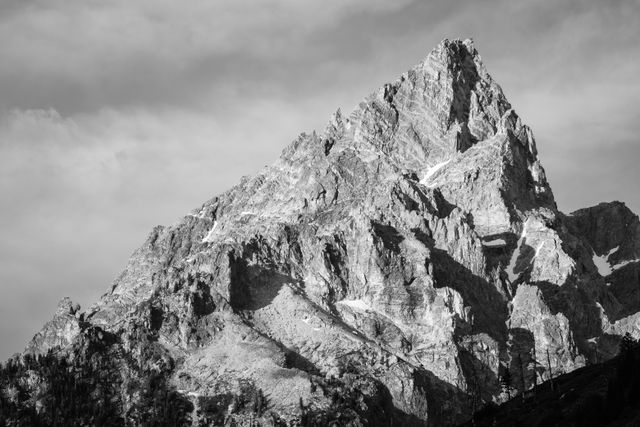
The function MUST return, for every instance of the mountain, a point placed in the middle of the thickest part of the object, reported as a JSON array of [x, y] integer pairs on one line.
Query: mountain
[[389, 269]]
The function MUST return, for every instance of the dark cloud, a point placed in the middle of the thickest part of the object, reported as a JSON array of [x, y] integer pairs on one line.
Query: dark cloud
[[116, 116]]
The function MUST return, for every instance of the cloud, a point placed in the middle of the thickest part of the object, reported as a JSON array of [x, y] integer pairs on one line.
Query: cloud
[[78, 55]]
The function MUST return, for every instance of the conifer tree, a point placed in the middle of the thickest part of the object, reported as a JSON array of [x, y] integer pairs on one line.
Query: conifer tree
[[505, 382]]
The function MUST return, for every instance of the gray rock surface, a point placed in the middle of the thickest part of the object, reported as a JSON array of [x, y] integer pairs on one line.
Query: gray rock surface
[[412, 250], [60, 331]]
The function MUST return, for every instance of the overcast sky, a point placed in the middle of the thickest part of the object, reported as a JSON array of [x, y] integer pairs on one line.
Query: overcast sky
[[119, 115]]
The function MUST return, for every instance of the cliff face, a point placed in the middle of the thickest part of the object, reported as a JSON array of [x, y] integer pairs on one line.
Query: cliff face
[[404, 258]]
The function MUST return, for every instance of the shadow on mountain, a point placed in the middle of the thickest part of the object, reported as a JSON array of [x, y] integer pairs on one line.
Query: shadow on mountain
[[496, 253], [254, 286], [486, 303], [575, 300], [200, 297], [482, 381], [523, 367], [439, 400], [388, 235], [356, 397], [487, 315], [466, 77], [445, 403], [577, 306], [625, 286]]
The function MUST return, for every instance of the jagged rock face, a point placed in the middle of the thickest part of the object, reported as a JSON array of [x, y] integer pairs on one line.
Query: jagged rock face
[[60, 331], [613, 233], [414, 246]]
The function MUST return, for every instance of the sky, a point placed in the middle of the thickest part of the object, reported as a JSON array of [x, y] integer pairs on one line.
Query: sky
[[116, 116]]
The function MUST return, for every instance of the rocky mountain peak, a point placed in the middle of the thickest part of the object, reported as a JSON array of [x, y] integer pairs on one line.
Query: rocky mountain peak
[[466, 88], [405, 258], [60, 331], [448, 123], [67, 307]]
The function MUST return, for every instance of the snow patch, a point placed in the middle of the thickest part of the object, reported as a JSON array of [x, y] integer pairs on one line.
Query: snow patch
[[602, 262], [209, 235], [355, 303], [494, 243], [432, 170], [623, 263]]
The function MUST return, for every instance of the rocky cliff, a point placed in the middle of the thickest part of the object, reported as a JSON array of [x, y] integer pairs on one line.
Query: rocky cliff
[[390, 268]]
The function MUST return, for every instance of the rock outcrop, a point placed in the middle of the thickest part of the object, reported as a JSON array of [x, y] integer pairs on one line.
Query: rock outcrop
[[60, 331], [391, 267]]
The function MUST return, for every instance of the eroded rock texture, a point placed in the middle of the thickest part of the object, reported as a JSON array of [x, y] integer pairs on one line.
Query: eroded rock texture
[[402, 259]]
